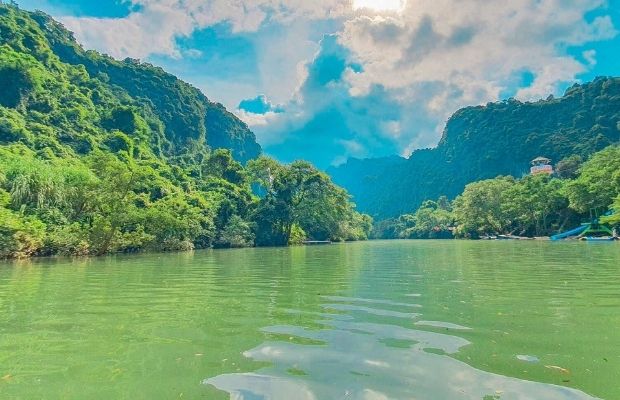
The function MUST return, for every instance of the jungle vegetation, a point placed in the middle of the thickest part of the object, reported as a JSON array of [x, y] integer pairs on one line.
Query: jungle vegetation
[[99, 156], [536, 205], [483, 142]]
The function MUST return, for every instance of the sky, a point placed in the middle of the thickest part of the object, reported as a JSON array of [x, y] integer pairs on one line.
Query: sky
[[326, 80]]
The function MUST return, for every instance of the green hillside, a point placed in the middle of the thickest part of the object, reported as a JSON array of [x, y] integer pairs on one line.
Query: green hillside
[[484, 142], [100, 156], [42, 62]]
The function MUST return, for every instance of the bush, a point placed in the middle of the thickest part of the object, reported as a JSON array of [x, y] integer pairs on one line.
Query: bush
[[12, 127], [298, 236], [19, 237], [237, 233], [70, 240], [117, 141], [16, 83]]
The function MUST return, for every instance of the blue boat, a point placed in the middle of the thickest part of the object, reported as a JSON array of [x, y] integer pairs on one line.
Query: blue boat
[[600, 239]]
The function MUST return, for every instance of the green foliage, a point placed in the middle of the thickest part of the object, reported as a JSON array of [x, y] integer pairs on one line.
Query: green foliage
[[302, 198], [481, 208], [12, 127], [614, 219], [19, 236], [117, 141], [16, 84], [100, 156], [568, 168], [356, 227], [222, 165], [237, 233], [532, 206], [535, 205], [432, 220], [51, 80], [488, 141], [598, 183], [298, 236]]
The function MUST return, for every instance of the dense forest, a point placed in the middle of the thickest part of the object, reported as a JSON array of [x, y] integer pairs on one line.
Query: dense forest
[[100, 156], [487, 141], [536, 205]]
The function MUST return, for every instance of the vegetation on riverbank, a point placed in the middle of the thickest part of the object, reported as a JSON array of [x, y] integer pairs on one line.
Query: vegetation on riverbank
[[100, 156], [536, 205], [483, 142]]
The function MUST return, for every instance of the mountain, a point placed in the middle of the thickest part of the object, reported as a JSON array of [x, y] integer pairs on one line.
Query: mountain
[[99, 156], [484, 142], [40, 59]]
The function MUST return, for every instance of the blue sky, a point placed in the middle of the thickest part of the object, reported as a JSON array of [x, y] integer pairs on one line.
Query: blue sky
[[326, 80]]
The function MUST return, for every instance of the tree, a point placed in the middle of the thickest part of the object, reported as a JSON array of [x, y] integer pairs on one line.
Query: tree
[[237, 233], [16, 83], [480, 209], [432, 220], [534, 203], [298, 195], [19, 237], [221, 164], [614, 219], [100, 156], [598, 183], [262, 173], [568, 168], [116, 207]]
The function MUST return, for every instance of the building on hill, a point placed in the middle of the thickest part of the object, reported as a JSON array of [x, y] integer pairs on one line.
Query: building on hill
[[541, 165]]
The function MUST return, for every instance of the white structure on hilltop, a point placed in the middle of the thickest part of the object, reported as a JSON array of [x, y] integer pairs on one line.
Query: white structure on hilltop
[[541, 165]]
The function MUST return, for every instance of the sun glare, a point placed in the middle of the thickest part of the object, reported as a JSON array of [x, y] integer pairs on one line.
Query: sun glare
[[379, 5]]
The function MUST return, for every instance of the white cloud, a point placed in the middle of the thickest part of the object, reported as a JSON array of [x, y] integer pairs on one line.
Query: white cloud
[[590, 57], [153, 30], [157, 24], [472, 49], [429, 60]]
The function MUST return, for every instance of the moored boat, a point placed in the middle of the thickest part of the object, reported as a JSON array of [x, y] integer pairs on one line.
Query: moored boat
[[600, 239]]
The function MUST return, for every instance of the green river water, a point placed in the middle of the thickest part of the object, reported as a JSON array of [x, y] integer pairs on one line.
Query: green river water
[[378, 320]]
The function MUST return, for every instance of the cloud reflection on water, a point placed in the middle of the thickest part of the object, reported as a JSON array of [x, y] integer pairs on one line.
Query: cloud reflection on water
[[356, 361]]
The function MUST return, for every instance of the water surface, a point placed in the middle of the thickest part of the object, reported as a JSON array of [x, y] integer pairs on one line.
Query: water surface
[[378, 320]]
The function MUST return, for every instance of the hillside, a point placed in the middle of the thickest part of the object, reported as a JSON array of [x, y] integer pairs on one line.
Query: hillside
[[487, 141], [99, 156], [42, 57]]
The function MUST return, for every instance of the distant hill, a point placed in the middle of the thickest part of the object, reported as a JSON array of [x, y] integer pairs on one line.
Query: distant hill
[[180, 121], [484, 142]]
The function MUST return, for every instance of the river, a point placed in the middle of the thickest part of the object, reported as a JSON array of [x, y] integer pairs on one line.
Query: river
[[420, 320]]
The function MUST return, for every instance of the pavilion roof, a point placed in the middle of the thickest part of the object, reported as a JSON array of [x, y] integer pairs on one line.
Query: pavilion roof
[[541, 159]]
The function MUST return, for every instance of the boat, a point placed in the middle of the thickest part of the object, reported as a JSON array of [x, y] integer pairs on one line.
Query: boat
[[316, 242], [570, 234], [488, 237], [599, 239], [513, 237], [590, 230]]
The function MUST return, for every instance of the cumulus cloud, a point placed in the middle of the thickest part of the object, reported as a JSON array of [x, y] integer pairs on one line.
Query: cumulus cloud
[[474, 45], [358, 82], [155, 25], [418, 67]]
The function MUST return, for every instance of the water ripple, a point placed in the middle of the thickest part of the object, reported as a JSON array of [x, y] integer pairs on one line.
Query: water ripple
[[353, 360]]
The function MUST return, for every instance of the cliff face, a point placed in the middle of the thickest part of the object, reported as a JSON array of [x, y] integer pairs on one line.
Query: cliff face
[[180, 119], [487, 141]]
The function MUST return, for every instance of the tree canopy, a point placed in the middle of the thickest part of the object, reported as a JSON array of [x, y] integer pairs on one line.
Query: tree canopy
[[100, 156], [483, 142], [536, 205]]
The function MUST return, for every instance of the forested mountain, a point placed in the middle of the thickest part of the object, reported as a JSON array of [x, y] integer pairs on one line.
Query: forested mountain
[[41, 60], [484, 142], [100, 156]]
